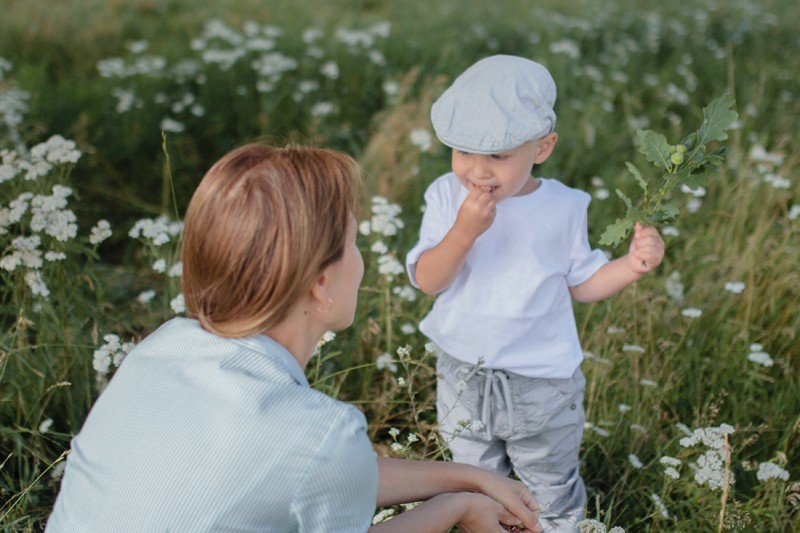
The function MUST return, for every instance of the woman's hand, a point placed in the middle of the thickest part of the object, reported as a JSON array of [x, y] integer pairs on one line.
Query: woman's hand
[[481, 514], [514, 496]]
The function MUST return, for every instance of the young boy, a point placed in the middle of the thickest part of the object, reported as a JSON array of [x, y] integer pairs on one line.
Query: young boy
[[506, 253]]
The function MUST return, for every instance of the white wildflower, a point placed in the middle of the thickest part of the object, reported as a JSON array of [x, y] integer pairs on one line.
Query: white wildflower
[[379, 247], [159, 265], [322, 109], [794, 212], [421, 138], [408, 328], [671, 231], [406, 292], [330, 70], [648, 382], [178, 304], [758, 355], [385, 362], [624, 408], [44, 427], [600, 431], [100, 232], [389, 266], [662, 509], [691, 312], [54, 256], [430, 347], [674, 286], [171, 125], [736, 287], [37, 285], [635, 461], [145, 296], [394, 432], [176, 270], [632, 348], [768, 470]]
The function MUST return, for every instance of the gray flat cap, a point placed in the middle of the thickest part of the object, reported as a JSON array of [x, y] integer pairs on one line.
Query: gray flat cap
[[495, 105]]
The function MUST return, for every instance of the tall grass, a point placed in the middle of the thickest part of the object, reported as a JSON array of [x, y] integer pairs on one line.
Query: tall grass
[[693, 398]]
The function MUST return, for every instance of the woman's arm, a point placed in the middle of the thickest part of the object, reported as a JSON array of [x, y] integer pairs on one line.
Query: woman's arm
[[403, 481], [473, 513]]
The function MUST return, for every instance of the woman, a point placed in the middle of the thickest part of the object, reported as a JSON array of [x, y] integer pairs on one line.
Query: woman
[[210, 425]]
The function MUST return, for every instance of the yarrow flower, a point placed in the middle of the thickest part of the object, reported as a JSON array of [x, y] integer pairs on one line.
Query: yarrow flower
[[758, 355], [421, 138], [384, 218], [662, 509], [155, 231], [674, 286], [635, 461], [768, 470], [691, 312], [385, 362], [113, 351], [178, 304], [736, 287], [590, 525], [710, 466], [100, 232]]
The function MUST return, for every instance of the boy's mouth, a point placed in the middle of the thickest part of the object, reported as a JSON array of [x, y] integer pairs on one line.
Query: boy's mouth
[[488, 188]]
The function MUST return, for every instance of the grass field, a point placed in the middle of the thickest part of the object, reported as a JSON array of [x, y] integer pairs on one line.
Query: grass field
[[112, 111]]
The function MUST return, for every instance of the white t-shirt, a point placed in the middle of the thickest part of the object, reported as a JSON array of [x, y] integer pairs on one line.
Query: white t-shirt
[[510, 304]]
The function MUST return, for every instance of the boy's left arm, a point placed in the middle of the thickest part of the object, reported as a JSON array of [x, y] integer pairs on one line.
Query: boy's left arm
[[645, 254]]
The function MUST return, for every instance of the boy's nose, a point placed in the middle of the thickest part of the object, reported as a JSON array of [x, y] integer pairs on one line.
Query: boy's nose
[[480, 170]]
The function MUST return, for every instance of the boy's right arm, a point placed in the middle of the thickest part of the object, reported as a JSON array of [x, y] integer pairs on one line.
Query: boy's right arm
[[438, 266]]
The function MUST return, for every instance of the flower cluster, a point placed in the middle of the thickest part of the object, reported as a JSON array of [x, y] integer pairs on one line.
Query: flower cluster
[[257, 50], [710, 468], [112, 352]]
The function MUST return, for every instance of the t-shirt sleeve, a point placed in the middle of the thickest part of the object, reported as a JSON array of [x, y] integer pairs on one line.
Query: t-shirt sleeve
[[340, 488], [434, 226], [584, 261]]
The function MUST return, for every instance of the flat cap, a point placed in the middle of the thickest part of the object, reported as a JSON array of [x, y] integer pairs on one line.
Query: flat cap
[[495, 105]]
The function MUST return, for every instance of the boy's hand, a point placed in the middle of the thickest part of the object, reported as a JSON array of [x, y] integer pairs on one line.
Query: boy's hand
[[647, 249], [476, 214]]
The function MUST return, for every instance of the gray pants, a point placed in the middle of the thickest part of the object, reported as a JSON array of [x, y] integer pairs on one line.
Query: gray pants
[[533, 426]]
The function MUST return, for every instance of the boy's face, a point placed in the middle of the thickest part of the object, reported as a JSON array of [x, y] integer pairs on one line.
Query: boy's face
[[504, 174]]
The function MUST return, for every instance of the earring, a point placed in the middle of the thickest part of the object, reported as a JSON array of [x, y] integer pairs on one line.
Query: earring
[[327, 309]]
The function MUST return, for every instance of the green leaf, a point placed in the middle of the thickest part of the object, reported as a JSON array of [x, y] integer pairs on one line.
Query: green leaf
[[625, 199], [616, 232], [717, 117], [655, 147], [696, 180], [638, 175], [666, 213]]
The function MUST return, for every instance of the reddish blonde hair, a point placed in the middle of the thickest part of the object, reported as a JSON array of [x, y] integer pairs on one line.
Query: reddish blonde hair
[[262, 224]]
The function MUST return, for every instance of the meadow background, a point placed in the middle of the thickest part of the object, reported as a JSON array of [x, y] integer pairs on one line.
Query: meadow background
[[111, 111]]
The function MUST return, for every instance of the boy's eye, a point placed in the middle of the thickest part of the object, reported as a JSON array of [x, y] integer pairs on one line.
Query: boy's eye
[[462, 152], [499, 157]]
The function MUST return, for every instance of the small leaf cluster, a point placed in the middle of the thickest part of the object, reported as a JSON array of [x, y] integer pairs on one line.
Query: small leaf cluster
[[686, 163]]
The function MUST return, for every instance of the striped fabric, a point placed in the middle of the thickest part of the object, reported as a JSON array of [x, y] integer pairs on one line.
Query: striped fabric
[[196, 432]]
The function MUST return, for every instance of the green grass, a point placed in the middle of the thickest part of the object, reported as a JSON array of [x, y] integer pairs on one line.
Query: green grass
[[620, 65]]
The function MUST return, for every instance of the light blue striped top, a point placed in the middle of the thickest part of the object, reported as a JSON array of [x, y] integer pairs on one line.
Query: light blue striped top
[[196, 432]]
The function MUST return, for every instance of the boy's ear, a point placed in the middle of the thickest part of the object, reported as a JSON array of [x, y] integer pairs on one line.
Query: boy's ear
[[546, 145]]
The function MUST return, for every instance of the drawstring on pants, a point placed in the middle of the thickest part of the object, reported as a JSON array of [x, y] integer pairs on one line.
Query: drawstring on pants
[[495, 388]]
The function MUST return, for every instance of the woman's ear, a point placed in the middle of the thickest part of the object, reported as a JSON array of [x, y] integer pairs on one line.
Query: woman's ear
[[545, 147], [319, 293]]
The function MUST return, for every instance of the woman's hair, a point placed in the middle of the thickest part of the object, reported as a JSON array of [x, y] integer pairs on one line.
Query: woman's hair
[[260, 228]]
